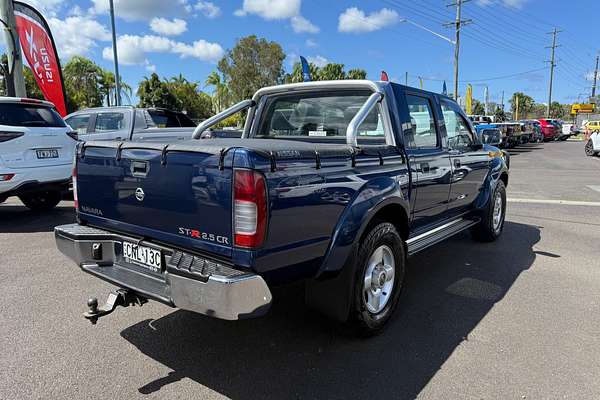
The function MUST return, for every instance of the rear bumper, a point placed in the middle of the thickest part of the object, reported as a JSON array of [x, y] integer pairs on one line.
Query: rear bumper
[[29, 176], [187, 281], [29, 187]]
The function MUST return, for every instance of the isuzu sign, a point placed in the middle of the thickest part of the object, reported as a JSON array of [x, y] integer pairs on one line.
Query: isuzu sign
[[40, 52]]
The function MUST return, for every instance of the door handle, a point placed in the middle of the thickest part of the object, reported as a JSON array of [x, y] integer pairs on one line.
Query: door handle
[[139, 168], [457, 162]]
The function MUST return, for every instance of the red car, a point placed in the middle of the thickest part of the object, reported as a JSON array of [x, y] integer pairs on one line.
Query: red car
[[549, 130]]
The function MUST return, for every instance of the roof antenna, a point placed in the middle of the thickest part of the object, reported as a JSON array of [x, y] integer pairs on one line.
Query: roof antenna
[[384, 76]]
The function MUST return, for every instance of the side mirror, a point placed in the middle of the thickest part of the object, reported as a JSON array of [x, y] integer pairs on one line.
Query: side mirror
[[476, 146]]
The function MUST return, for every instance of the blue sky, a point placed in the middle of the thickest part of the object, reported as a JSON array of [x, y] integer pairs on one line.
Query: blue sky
[[503, 48]]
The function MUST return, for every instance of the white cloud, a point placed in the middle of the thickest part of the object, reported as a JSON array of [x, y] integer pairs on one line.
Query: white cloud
[[311, 43], [356, 21], [200, 49], [48, 8], [77, 35], [208, 8], [271, 9], [319, 61], [278, 10], [142, 10], [301, 24], [168, 27], [132, 49]]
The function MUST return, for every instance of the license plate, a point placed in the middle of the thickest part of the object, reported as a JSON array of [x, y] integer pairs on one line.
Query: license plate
[[47, 153], [143, 256]]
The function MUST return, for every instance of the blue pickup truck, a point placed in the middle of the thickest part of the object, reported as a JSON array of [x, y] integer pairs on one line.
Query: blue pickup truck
[[332, 183]]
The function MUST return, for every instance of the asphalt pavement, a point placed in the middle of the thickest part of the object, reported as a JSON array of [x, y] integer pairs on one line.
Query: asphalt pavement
[[515, 319]]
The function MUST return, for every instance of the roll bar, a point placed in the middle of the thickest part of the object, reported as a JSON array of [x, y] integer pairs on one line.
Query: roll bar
[[361, 115], [215, 119]]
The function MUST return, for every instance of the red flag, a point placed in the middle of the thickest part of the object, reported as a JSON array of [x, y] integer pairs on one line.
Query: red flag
[[384, 76], [40, 52]]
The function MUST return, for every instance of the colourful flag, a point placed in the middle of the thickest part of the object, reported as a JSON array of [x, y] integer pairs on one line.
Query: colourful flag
[[40, 52]]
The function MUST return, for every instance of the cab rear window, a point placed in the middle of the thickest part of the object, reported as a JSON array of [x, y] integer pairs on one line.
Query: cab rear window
[[17, 114]]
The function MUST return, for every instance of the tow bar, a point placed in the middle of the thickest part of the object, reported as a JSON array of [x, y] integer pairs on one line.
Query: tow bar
[[120, 297]]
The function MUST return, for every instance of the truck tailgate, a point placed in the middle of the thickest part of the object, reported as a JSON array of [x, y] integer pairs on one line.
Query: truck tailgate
[[180, 197]]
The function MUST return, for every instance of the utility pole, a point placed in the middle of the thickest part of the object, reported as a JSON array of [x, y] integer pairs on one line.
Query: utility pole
[[458, 23], [116, 59], [13, 49], [595, 79], [406, 78], [502, 101], [552, 65]]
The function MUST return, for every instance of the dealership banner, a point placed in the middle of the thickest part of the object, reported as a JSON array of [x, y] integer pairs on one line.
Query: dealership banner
[[37, 45]]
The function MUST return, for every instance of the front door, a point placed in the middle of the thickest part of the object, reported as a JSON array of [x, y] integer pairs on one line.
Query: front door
[[429, 162], [470, 163]]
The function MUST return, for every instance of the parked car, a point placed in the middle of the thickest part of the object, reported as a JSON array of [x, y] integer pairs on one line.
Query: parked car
[[549, 130], [36, 152], [482, 119], [511, 133], [333, 183], [489, 134], [566, 131], [592, 126], [117, 123], [592, 146]]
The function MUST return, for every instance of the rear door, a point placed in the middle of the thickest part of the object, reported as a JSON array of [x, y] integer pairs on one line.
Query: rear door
[[469, 165], [429, 161], [33, 136]]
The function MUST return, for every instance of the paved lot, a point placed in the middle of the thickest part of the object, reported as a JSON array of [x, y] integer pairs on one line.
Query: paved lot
[[519, 318]]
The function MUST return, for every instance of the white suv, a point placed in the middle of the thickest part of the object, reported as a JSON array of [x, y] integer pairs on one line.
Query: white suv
[[36, 152]]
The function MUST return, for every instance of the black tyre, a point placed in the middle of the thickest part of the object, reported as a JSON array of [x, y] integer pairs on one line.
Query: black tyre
[[589, 148], [41, 201], [492, 218], [380, 266]]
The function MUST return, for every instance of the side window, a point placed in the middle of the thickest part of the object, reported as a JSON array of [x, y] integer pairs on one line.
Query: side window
[[457, 129], [164, 119], [79, 123], [106, 122], [424, 132]]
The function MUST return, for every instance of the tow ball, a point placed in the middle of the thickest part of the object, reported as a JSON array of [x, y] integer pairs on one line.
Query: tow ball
[[120, 297]]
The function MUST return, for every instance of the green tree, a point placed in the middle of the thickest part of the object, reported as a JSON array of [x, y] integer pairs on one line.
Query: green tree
[[556, 110], [108, 87], [526, 104], [297, 76], [190, 99], [478, 107], [153, 92], [31, 86], [253, 63], [82, 83], [500, 114], [221, 95], [332, 72], [356, 73]]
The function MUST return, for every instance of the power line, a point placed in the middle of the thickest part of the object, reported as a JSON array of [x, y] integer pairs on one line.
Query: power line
[[495, 78], [458, 23]]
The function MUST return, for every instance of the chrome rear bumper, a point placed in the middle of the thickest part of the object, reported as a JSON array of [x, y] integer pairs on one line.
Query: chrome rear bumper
[[187, 281]]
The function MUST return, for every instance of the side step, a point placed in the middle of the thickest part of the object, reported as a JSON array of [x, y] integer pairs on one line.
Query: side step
[[436, 235]]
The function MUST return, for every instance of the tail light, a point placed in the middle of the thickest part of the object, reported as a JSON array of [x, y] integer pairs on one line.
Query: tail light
[[6, 177], [249, 208], [6, 136], [74, 180]]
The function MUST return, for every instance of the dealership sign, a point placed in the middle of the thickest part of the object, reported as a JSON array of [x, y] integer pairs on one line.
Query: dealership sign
[[40, 52]]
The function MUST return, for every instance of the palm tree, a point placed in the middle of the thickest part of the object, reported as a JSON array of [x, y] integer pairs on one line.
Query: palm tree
[[108, 87], [220, 93]]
